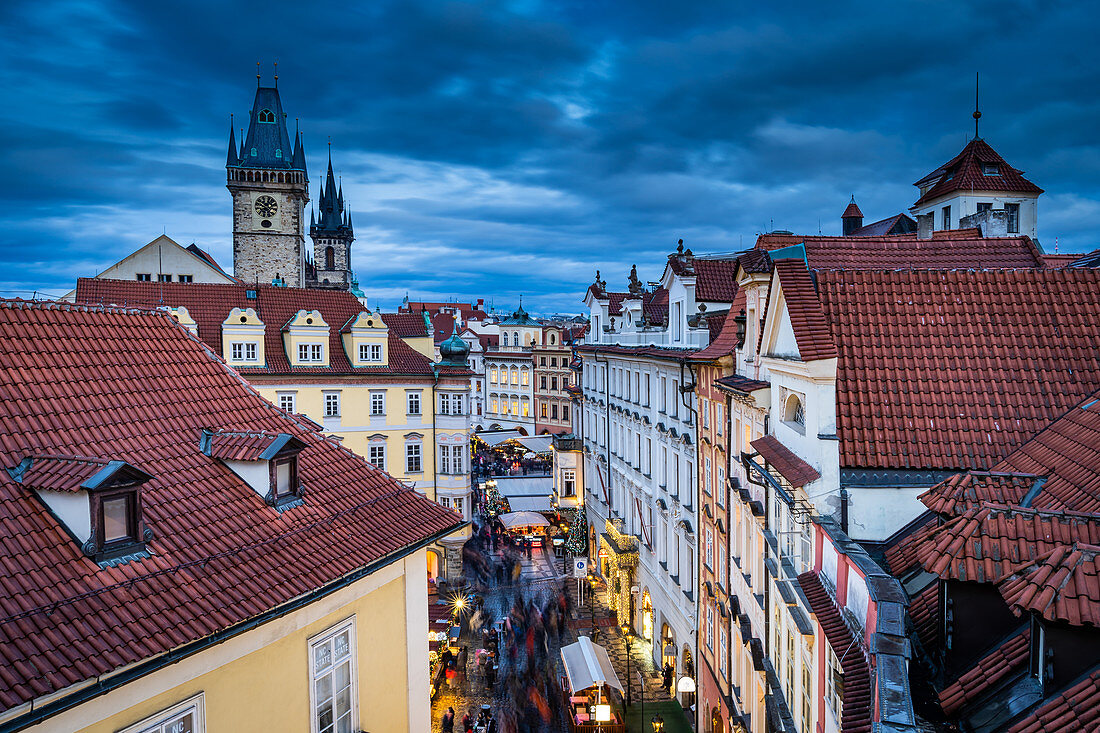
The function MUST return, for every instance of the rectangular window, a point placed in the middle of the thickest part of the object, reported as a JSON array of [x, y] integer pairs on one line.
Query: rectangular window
[[332, 404], [186, 278], [1013, 214], [413, 399], [458, 406], [568, 483], [332, 694], [542, 410], [444, 404], [445, 459], [553, 384], [984, 206], [553, 412], [720, 485], [188, 716], [706, 476], [237, 351], [370, 352], [723, 648], [719, 417], [144, 277], [704, 408], [377, 456], [310, 353], [378, 403], [413, 464], [945, 219], [565, 412], [834, 683], [162, 278], [286, 403], [710, 628], [709, 546]]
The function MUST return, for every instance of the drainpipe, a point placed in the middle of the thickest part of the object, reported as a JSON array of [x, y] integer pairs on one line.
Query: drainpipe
[[435, 438], [607, 422]]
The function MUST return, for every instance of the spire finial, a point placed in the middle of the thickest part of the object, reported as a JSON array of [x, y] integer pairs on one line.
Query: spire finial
[[257, 74], [276, 73], [977, 107]]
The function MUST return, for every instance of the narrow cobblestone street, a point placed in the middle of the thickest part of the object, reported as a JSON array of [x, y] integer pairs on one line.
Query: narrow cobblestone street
[[525, 694]]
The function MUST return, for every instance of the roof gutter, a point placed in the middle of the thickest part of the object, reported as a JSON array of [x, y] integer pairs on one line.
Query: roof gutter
[[141, 669]]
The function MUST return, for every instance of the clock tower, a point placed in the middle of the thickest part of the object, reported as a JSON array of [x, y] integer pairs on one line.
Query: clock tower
[[267, 179]]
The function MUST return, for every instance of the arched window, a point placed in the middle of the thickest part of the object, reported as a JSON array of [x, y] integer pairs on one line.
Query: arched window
[[266, 115], [551, 339], [794, 414], [330, 258], [515, 338], [493, 376], [505, 339], [525, 377], [515, 376]]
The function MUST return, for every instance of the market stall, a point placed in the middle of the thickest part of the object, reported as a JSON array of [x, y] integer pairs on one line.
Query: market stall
[[588, 682]]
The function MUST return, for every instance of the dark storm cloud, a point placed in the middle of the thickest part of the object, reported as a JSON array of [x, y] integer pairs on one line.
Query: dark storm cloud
[[503, 148]]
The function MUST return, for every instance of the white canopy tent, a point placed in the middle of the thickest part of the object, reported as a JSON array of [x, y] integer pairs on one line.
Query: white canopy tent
[[526, 493], [523, 519], [496, 438], [536, 443], [588, 665]]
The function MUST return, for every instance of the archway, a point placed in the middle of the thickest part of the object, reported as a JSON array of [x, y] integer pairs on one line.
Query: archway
[[687, 669], [647, 616], [668, 648], [716, 719], [521, 431]]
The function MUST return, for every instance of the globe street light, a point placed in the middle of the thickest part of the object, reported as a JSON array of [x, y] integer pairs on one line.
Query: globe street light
[[658, 723]]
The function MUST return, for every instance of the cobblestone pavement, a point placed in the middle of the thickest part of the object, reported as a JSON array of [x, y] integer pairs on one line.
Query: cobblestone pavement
[[540, 576]]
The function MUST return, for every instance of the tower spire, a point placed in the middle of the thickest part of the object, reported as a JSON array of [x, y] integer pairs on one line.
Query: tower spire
[[977, 108], [231, 157], [276, 73]]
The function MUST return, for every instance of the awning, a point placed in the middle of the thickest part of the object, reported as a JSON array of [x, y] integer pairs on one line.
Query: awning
[[526, 493], [587, 665], [536, 443], [496, 438], [796, 471], [523, 519]]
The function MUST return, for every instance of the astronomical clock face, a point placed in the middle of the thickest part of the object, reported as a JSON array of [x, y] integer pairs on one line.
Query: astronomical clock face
[[266, 206]]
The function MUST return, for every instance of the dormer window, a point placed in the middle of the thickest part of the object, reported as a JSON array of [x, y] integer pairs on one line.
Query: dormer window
[[991, 169], [243, 453], [97, 501], [266, 115], [370, 352], [311, 353]]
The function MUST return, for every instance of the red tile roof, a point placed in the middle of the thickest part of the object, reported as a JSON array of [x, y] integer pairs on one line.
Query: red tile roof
[[1061, 260], [896, 224], [901, 551], [715, 279], [655, 306], [406, 325], [1067, 454], [137, 387], [857, 701], [209, 305], [797, 472], [970, 489], [811, 330], [744, 385], [924, 610], [1074, 711], [1003, 662], [964, 173], [241, 446], [1062, 585], [954, 248], [723, 339], [955, 369], [60, 473], [987, 542], [852, 210]]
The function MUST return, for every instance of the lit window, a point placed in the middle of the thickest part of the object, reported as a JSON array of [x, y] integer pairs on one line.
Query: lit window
[[526, 408], [378, 403], [413, 462], [286, 403], [377, 456], [515, 376], [542, 410], [332, 404], [493, 375], [414, 403], [525, 377], [332, 670]]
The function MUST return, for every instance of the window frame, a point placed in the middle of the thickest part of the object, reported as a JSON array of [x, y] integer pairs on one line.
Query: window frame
[[156, 722], [325, 637], [378, 403], [414, 449], [410, 398], [290, 398], [380, 461], [330, 399]]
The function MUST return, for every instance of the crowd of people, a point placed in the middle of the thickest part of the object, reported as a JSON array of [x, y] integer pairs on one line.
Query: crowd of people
[[520, 624]]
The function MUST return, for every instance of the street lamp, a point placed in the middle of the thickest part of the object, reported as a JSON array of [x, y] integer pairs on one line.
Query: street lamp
[[626, 629], [658, 723]]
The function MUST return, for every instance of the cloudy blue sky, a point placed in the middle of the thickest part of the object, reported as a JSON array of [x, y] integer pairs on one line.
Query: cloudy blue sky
[[507, 148]]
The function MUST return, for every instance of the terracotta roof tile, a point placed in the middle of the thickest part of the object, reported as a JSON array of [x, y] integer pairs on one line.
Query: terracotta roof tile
[[970, 489], [955, 369], [987, 542], [924, 610], [852, 210], [209, 305], [811, 330], [949, 249], [137, 387], [857, 701], [60, 473], [884, 227], [964, 172], [797, 472], [901, 551], [406, 325], [1074, 711], [1003, 662], [744, 385], [715, 279], [1062, 585]]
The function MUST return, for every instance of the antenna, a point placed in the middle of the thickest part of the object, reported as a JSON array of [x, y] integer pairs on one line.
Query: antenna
[[977, 108], [257, 74], [276, 73]]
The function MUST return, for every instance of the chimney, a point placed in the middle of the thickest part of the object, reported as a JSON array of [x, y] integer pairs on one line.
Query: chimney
[[925, 224], [852, 218]]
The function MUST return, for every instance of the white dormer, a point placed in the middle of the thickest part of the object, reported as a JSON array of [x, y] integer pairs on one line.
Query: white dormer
[[243, 338], [306, 339], [267, 462], [366, 340], [97, 501], [184, 319]]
